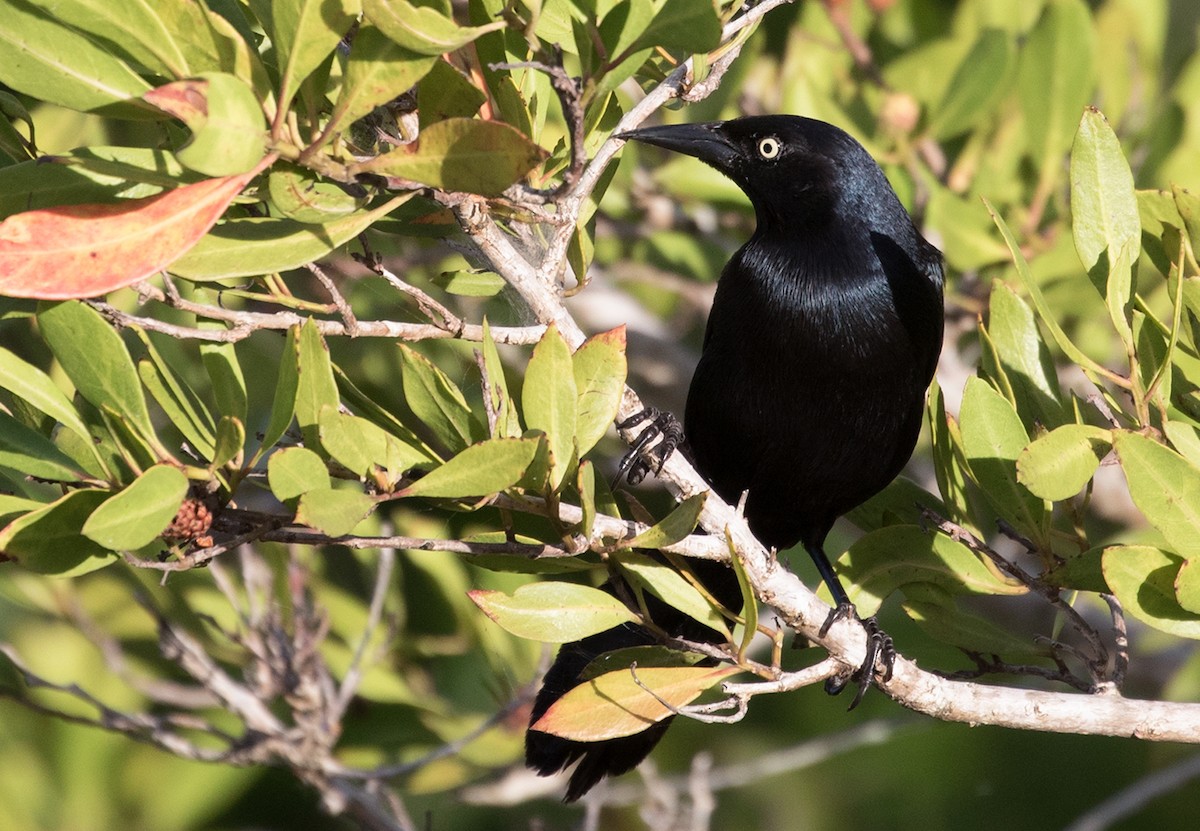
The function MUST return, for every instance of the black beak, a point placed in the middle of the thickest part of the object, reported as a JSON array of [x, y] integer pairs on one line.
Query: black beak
[[707, 142]]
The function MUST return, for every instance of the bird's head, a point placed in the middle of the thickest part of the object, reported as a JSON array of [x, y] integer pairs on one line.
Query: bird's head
[[795, 170]]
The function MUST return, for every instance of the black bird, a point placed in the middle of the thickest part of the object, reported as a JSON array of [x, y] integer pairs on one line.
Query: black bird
[[822, 340]]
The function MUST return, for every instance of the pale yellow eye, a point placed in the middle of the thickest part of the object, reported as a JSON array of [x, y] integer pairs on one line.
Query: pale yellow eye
[[769, 147]]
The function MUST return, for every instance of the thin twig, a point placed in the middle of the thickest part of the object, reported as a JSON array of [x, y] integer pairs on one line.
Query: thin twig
[[339, 302], [353, 676]]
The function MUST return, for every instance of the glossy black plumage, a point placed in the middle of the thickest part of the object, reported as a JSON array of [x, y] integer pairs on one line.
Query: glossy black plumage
[[821, 343]]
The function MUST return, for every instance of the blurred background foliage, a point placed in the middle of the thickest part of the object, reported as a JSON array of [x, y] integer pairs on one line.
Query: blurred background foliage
[[960, 101]]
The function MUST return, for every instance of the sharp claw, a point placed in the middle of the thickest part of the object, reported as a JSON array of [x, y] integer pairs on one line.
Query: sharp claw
[[644, 455], [881, 653]]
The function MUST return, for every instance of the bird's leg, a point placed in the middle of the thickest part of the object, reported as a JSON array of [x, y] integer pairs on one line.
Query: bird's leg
[[881, 651], [645, 455]]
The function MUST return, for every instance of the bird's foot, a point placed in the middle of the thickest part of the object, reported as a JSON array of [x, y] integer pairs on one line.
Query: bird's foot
[[646, 455], [880, 660]]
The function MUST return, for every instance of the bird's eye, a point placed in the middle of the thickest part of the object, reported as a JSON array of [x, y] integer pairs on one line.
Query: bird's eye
[[769, 147]]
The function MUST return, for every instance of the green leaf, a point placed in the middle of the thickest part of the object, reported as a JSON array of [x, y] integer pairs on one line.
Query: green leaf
[[178, 400], [1187, 586], [304, 33], [1185, 439], [333, 512], [362, 447], [1188, 205], [895, 557], [447, 93], [615, 705], [26, 450], [1055, 80], [229, 132], [95, 359], [248, 247], [315, 387], [230, 440], [283, 405], [300, 194], [491, 466], [674, 527], [460, 154], [471, 283], [599, 367], [171, 37], [977, 85], [549, 401], [35, 387], [1165, 487], [296, 471], [585, 482], [50, 541], [669, 586], [377, 70], [435, 400], [508, 423], [1104, 215], [1143, 579], [42, 58], [993, 437], [553, 612], [139, 513], [684, 25], [229, 385], [1058, 465], [421, 28], [1024, 358], [1045, 312]]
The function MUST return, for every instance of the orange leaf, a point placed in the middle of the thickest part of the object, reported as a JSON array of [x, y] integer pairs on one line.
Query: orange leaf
[[88, 250], [616, 704]]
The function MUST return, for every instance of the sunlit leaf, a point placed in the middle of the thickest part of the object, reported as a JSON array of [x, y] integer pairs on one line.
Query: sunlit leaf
[[1059, 464], [247, 247], [140, 512], [435, 400], [422, 28], [49, 61], [1104, 215], [549, 400], [674, 527], [1143, 579], [377, 70], [316, 387], [1165, 487], [553, 612], [993, 437], [333, 511], [616, 704], [485, 468], [305, 32], [599, 367], [669, 586], [294, 471], [460, 154], [228, 128], [89, 250]]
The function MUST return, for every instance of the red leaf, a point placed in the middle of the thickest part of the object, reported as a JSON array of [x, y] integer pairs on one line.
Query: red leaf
[[88, 250]]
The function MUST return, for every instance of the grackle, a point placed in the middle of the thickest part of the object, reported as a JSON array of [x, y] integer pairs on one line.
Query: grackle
[[822, 340]]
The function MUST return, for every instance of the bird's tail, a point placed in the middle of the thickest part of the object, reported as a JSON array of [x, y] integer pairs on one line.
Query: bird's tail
[[548, 754]]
